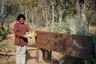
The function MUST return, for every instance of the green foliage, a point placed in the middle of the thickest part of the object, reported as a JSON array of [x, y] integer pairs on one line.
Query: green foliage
[[3, 35], [71, 25], [12, 62]]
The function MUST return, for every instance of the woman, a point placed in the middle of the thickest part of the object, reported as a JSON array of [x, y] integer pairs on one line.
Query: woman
[[20, 29]]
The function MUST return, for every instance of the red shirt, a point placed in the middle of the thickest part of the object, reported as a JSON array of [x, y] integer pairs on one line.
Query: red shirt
[[19, 31]]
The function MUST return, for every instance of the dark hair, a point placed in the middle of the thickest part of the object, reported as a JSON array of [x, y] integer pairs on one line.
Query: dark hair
[[21, 16]]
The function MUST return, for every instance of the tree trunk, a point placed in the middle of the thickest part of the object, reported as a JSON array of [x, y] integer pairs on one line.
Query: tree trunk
[[78, 8], [84, 23], [32, 18], [26, 15], [7, 53], [2, 15], [52, 18], [21, 8], [60, 16], [46, 17]]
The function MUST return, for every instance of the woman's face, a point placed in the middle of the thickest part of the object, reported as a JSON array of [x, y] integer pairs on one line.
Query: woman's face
[[21, 20]]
